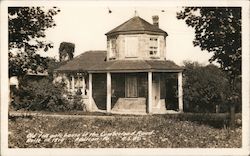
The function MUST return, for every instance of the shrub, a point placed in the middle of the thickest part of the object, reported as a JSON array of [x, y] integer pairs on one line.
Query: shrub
[[40, 95], [76, 103], [204, 88]]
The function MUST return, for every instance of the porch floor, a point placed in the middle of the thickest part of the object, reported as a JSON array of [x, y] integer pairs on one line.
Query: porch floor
[[132, 112]]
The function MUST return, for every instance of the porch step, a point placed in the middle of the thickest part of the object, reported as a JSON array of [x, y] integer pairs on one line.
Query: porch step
[[130, 105], [94, 107], [160, 107]]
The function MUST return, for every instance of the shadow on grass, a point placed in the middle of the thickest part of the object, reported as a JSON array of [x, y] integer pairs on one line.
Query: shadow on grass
[[216, 120]]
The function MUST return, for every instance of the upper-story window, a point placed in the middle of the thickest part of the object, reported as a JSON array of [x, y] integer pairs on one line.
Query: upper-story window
[[131, 46], [154, 46], [112, 48]]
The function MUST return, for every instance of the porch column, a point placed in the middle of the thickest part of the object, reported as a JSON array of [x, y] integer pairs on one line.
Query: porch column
[[83, 86], [149, 92], [180, 92], [108, 92], [68, 81], [90, 91], [73, 83]]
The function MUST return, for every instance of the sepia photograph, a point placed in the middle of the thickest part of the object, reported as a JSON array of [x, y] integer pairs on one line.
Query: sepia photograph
[[125, 78]]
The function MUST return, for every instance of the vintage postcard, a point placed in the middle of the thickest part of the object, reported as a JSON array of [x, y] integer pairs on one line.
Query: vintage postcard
[[125, 78]]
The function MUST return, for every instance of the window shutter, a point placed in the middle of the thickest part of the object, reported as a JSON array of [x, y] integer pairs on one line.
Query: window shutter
[[131, 46]]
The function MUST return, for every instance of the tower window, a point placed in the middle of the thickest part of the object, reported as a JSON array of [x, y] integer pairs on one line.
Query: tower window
[[154, 46], [112, 48]]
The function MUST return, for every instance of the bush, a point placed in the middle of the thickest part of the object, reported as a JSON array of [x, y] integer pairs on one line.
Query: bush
[[41, 95], [76, 103], [204, 88]]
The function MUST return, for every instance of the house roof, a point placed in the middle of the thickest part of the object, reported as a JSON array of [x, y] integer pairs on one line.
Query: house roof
[[136, 25], [84, 61], [95, 61]]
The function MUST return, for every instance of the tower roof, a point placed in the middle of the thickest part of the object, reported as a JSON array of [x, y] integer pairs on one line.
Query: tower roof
[[136, 25]]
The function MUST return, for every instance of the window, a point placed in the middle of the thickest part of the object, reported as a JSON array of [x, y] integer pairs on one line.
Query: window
[[70, 82], [131, 46], [153, 46], [79, 82], [131, 86], [112, 48]]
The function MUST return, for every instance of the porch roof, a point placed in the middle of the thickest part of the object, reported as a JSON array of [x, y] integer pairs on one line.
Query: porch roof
[[84, 61], [95, 62]]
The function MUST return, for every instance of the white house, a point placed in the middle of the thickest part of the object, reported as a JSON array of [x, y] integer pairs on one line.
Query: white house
[[130, 77]]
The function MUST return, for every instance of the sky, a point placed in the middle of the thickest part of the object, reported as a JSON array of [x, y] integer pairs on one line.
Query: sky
[[86, 27]]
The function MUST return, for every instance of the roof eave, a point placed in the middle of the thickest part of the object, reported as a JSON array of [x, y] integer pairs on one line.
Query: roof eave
[[137, 32], [69, 70], [137, 70]]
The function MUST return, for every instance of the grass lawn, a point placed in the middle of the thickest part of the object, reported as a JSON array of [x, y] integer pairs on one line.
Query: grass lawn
[[117, 132]]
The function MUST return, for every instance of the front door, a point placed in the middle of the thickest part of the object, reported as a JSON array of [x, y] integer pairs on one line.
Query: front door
[[131, 90], [156, 90]]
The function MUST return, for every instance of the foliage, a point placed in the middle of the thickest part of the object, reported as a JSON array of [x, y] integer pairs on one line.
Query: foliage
[[66, 51], [27, 26], [204, 87], [40, 95], [77, 103], [44, 95], [217, 30], [21, 63], [52, 64]]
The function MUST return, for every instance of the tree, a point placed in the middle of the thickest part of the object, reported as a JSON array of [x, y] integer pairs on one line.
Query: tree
[[205, 88], [27, 26], [66, 51], [53, 64], [217, 30]]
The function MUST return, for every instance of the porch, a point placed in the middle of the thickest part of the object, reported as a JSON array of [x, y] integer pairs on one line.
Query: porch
[[130, 92]]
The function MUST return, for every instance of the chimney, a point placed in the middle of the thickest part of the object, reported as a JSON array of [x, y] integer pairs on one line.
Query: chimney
[[155, 20]]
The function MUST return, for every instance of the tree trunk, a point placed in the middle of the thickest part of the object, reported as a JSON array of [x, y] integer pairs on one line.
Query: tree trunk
[[232, 115], [232, 104]]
